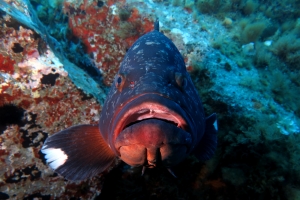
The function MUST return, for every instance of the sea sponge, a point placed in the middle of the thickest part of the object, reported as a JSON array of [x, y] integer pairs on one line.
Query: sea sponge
[[227, 21], [263, 57], [252, 32], [243, 23], [177, 3], [231, 49], [188, 4], [127, 29], [124, 13], [283, 90], [279, 84], [208, 6], [287, 47], [236, 5], [249, 7], [288, 25]]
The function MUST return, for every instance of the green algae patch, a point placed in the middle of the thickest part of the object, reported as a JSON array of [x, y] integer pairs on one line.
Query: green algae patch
[[252, 32]]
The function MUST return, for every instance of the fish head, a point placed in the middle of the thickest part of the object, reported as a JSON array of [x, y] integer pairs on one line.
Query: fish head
[[153, 113]]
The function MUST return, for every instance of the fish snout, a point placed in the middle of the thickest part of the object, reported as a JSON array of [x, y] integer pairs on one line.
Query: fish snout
[[152, 142]]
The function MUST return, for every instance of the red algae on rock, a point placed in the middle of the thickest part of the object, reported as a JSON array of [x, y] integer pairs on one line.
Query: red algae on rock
[[48, 109], [99, 29], [6, 64]]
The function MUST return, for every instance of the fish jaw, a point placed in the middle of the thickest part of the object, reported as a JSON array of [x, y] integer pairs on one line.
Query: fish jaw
[[151, 142], [173, 123]]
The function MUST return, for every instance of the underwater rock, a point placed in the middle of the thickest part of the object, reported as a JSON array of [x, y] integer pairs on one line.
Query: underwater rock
[[84, 42]]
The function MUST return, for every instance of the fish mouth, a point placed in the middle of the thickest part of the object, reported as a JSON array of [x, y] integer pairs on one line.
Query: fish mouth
[[152, 110]]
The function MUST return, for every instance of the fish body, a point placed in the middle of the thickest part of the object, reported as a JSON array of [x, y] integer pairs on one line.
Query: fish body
[[152, 116]]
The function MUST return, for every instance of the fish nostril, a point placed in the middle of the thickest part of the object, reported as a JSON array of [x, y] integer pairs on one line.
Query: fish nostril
[[151, 164], [153, 156]]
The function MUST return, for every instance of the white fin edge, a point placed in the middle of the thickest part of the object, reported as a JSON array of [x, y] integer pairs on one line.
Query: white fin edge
[[55, 157], [216, 125]]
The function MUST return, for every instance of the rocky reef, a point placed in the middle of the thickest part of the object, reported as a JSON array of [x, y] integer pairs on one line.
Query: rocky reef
[[58, 59]]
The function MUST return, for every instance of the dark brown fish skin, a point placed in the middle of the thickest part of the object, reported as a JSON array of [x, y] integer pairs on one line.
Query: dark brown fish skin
[[152, 115], [152, 67]]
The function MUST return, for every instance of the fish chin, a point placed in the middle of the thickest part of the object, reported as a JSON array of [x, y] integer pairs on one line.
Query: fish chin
[[151, 142], [168, 155], [152, 129]]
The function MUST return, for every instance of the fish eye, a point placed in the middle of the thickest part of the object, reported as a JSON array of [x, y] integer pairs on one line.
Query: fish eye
[[180, 80], [119, 81]]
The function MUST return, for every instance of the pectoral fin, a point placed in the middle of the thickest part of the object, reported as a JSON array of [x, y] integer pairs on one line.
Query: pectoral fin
[[208, 144], [78, 152]]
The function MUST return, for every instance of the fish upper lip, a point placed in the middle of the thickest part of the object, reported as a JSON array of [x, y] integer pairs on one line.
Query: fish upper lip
[[147, 106], [156, 113]]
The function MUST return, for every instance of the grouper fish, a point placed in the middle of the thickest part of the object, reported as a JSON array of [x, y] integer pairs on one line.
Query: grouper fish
[[152, 116]]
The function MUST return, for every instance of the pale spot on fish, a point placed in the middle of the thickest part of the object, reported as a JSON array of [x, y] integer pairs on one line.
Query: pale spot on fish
[[136, 46], [151, 43], [140, 51]]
